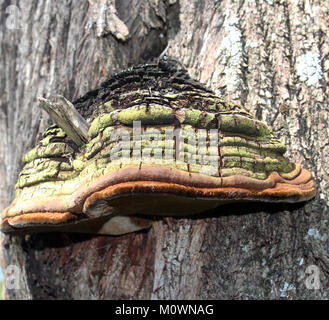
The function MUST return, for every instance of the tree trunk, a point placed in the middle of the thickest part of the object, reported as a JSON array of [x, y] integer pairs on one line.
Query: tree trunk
[[271, 56]]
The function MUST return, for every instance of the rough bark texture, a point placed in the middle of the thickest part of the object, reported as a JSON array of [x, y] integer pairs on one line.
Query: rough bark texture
[[272, 56]]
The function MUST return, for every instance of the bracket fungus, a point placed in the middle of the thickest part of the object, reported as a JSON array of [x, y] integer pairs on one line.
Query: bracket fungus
[[156, 142]]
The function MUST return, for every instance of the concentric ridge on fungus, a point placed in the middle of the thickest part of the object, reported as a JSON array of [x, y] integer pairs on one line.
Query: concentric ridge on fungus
[[63, 187]]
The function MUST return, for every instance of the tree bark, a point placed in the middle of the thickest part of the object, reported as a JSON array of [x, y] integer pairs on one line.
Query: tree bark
[[271, 56]]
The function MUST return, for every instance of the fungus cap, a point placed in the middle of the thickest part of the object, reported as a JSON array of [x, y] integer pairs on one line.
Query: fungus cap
[[159, 143]]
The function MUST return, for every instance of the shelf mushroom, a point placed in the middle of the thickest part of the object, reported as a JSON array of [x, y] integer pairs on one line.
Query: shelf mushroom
[[157, 142]]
